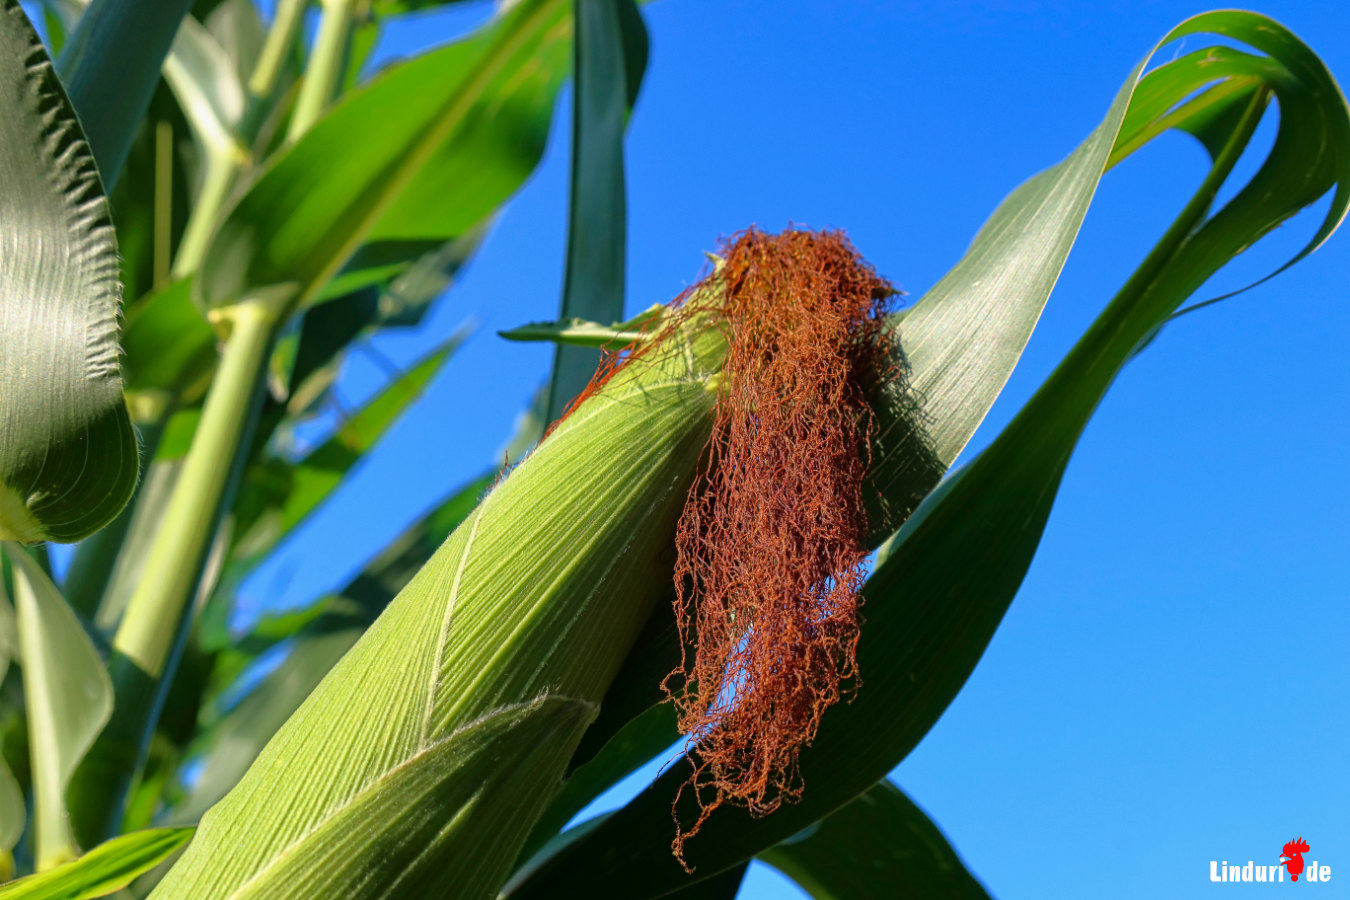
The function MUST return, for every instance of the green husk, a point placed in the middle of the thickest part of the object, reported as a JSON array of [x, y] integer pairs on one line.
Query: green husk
[[531, 603]]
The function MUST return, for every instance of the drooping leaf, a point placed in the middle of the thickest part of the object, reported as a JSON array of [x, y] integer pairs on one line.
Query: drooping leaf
[[404, 164], [934, 602], [881, 846], [68, 699], [107, 868], [60, 387], [593, 285]]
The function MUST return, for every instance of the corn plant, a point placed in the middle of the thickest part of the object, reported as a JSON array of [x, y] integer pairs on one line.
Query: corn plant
[[193, 235]]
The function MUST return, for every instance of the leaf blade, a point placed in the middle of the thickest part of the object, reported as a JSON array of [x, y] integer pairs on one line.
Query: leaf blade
[[417, 157], [109, 867], [60, 384], [67, 695], [879, 846], [593, 284]]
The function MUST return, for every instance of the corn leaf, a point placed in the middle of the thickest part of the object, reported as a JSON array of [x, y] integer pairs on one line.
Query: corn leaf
[[169, 345], [400, 7], [109, 867], [60, 388], [68, 698], [110, 66], [934, 602], [417, 157], [879, 847], [609, 60], [207, 84]]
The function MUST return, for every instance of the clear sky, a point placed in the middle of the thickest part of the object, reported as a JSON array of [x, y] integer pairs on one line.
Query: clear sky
[[1169, 686]]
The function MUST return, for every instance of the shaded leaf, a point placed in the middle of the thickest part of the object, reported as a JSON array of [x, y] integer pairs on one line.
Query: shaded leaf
[[169, 345], [593, 284], [67, 695], [110, 66], [279, 495], [60, 387], [881, 846], [13, 811]]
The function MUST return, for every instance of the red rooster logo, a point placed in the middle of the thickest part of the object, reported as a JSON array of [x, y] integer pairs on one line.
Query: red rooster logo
[[1292, 857]]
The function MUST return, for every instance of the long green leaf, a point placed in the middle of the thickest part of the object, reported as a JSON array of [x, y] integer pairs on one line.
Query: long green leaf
[[60, 388], [417, 157], [111, 64], [605, 56], [935, 601], [109, 867], [879, 847], [67, 695], [206, 82]]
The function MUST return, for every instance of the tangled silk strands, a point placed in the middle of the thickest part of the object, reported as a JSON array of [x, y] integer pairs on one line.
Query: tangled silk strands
[[770, 556], [769, 545]]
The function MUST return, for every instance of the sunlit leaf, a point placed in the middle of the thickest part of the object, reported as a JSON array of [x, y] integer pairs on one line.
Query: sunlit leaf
[[109, 867], [398, 167]]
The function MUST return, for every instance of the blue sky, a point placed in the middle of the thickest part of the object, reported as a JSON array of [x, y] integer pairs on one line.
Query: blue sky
[[1168, 687]]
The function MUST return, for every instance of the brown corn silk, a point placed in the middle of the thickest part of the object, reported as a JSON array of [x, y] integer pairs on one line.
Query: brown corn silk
[[770, 543], [770, 556]]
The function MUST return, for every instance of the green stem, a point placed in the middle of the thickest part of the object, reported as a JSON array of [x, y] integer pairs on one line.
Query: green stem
[[222, 168], [174, 562], [267, 73], [153, 626], [223, 165], [324, 73]]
